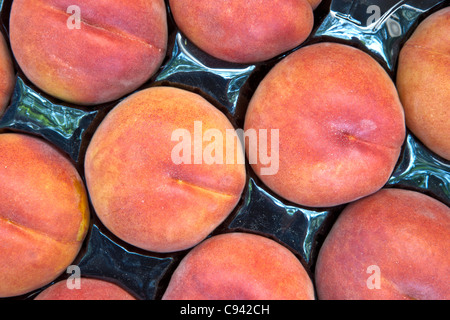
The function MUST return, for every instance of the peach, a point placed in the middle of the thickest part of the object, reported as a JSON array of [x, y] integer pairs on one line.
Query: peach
[[89, 289], [392, 245], [6, 75], [92, 52], [244, 31], [340, 121], [44, 213], [423, 82], [143, 190], [240, 266]]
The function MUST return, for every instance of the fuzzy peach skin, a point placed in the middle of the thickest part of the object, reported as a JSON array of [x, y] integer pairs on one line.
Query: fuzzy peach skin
[[137, 188], [240, 266], [340, 121], [90, 289], [244, 31], [423, 82], [400, 238], [6, 75], [120, 44], [44, 214]]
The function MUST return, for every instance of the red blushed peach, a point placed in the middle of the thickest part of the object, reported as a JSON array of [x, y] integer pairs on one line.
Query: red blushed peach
[[240, 266], [89, 289], [392, 245], [340, 121], [96, 53], [44, 214], [423, 82], [244, 31], [146, 190], [6, 75]]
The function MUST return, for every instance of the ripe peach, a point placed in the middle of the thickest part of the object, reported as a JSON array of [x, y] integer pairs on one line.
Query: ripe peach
[[240, 266], [92, 52], [44, 216], [244, 31], [340, 121], [392, 245], [90, 289], [139, 189], [6, 75], [423, 82]]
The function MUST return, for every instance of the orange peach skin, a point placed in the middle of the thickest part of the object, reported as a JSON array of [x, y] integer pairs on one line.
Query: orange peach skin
[[6, 75], [240, 266], [90, 289], [423, 82], [44, 216], [244, 31], [119, 46], [340, 121], [405, 234], [138, 191]]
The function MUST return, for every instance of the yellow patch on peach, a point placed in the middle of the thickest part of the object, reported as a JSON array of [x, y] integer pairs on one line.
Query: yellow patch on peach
[[44, 215]]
